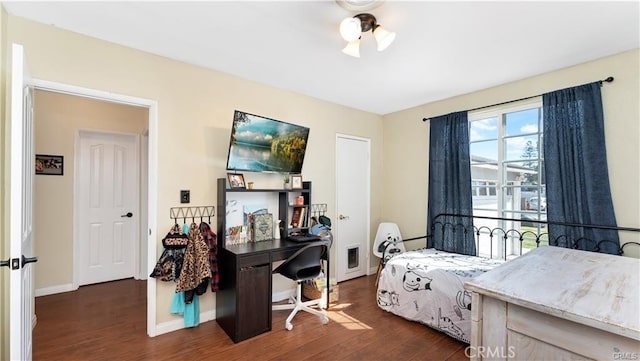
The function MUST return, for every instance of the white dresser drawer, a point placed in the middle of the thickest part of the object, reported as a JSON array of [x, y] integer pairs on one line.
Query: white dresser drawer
[[586, 341]]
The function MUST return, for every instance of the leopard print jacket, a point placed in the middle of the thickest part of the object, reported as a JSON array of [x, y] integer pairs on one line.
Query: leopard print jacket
[[195, 266]]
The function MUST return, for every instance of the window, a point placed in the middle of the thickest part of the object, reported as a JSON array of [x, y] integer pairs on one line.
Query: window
[[506, 172]]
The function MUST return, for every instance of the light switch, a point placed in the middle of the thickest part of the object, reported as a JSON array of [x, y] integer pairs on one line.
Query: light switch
[[185, 196]]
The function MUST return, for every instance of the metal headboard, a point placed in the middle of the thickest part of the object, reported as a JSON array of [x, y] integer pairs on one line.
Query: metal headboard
[[449, 222]]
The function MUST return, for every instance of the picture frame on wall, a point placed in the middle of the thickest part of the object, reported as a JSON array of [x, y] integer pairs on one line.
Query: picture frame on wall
[[236, 180], [49, 164], [296, 182]]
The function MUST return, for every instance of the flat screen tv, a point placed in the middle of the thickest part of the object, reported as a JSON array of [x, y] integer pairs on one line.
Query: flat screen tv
[[260, 144]]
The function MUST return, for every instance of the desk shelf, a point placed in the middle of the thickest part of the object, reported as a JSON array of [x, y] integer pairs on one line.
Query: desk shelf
[[282, 213]]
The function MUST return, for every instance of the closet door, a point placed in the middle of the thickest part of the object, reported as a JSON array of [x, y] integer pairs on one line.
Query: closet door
[[351, 228]]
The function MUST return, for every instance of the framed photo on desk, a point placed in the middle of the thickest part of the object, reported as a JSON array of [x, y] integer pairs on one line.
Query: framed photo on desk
[[236, 180], [296, 182]]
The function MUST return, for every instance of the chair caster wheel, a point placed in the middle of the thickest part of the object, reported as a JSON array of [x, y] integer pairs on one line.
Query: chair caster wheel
[[289, 326], [325, 320]]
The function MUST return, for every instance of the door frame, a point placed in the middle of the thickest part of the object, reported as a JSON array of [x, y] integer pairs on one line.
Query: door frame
[[367, 187], [151, 167], [136, 267]]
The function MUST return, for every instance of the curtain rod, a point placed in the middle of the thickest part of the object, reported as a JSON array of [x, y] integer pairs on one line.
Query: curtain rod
[[607, 80]]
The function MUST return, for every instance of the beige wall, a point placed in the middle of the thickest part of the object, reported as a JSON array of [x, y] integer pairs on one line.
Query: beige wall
[[406, 137], [195, 111], [58, 117]]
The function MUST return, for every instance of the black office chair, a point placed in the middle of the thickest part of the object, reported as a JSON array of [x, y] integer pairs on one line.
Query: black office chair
[[303, 265]]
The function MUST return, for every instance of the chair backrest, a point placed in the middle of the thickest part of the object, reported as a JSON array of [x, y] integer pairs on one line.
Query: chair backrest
[[305, 263], [389, 233]]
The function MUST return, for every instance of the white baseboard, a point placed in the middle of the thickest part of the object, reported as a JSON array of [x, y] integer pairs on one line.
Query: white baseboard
[[54, 289], [372, 270], [178, 324], [281, 296]]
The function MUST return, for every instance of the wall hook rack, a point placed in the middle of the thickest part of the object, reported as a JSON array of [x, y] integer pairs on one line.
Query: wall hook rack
[[318, 209], [192, 212]]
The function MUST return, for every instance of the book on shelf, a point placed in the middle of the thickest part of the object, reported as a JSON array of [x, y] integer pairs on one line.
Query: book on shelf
[[262, 227], [298, 217]]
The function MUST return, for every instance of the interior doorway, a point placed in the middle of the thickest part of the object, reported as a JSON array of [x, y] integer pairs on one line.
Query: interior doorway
[[146, 171]]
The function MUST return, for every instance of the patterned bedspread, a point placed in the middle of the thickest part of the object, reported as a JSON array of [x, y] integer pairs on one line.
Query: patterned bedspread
[[426, 285]]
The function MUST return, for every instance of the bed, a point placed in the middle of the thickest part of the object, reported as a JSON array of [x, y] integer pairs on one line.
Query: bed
[[427, 285]]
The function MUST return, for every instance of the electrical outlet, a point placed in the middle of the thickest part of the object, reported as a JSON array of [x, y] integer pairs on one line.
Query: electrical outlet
[[185, 196]]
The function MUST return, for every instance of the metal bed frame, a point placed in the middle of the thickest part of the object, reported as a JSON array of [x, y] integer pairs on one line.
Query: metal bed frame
[[454, 223]]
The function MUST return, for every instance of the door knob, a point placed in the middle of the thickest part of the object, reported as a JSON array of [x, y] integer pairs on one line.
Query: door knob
[[26, 260], [128, 215], [343, 217]]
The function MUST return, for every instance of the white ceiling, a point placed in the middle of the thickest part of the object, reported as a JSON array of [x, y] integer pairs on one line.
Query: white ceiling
[[442, 49]]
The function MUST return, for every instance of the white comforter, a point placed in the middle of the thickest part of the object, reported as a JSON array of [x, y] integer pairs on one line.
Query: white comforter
[[427, 286]]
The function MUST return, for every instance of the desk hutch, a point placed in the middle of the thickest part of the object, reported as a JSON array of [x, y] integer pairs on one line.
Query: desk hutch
[[243, 301]]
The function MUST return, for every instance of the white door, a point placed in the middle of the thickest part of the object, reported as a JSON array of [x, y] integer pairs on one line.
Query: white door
[[21, 304], [353, 197], [107, 193]]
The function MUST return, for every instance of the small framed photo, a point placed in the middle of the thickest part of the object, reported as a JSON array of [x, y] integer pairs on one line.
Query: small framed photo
[[49, 164], [296, 182], [236, 180]]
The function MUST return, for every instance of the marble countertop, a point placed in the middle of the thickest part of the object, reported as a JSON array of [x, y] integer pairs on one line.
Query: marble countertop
[[594, 289]]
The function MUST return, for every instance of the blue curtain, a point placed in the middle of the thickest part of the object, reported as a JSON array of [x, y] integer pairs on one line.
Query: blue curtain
[[575, 165], [450, 183]]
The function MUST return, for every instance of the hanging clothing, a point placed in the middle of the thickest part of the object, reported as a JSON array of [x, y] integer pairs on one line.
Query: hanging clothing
[[191, 295], [195, 269], [210, 239], [189, 311], [169, 264]]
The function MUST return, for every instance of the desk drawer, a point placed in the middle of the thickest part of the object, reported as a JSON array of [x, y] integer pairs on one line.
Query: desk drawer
[[282, 254], [254, 260]]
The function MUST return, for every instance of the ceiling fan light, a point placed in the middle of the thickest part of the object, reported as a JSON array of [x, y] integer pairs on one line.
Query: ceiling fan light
[[350, 29], [359, 5], [353, 48], [384, 38]]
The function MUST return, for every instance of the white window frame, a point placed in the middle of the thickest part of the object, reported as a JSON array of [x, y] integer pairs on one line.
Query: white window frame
[[499, 112]]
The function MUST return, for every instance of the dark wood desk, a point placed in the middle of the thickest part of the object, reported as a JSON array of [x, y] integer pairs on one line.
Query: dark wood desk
[[243, 301]]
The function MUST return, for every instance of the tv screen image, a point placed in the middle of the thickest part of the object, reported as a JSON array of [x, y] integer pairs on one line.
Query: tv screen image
[[260, 144]]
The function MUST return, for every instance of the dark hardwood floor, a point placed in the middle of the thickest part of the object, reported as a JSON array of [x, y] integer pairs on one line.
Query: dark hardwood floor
[[108, 322]]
